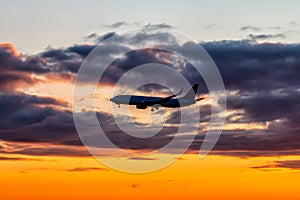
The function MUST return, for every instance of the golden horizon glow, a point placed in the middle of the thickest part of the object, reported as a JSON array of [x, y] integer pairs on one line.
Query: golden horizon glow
[[214, 177]]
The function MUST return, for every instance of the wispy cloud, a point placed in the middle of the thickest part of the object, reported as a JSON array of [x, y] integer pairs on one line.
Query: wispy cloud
[[250, 28], [158, 26], [5, 158], [289, 164], [86, 169], [293, 23], [141, 158], [115, 25], [267, 36]]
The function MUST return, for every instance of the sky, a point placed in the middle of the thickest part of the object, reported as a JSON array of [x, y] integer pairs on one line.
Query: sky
[[253, 44], [33, 25]]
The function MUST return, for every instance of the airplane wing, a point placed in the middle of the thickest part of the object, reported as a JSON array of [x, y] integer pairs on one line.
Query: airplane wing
[[166, 99]]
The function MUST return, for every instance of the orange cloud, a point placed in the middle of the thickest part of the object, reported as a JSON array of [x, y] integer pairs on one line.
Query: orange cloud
[[10, 48]]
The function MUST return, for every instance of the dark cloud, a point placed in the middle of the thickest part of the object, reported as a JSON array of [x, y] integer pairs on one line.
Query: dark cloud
[[265, 78], [254, 67], [131, 60], [18, 109], [266, 106], [55, 127], [248, 143]]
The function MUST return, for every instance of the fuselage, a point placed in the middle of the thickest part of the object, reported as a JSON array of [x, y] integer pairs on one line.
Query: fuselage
[[144, 101]]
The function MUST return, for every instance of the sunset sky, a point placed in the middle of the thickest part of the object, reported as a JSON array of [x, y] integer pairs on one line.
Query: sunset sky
[[255, 46]]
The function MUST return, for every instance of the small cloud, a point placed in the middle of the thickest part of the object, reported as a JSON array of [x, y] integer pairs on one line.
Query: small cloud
[[135, 185], [158, 26], [293, 23], [290, 164], [141, 158], [91, 36], [86, 169], [275, 28], [4, 158], [211, 26], [115, 25], [266, 36], [106, 36], [250, 28], [99, 38], [169, 180], [262, 166]]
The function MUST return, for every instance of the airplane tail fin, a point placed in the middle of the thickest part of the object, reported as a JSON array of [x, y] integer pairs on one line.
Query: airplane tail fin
[[192, 92]]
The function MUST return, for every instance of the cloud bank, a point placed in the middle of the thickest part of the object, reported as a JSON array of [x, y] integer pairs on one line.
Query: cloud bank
[[262, 82]]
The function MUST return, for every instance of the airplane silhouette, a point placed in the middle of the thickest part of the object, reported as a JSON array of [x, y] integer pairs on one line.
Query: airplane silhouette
[[142, 102]]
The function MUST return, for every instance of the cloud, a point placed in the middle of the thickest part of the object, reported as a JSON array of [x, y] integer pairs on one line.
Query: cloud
[[293, 23], [135, 185], [86, 169], [255, 153], [46, 150], [115, 25], [211, 26], [5, 158], [289, 164], [105, 36], [275, 28], [19, 109], [141, 158], [266, 36], [250, 28], [247, 66], [119, 24], [158, 26], [262, 81]]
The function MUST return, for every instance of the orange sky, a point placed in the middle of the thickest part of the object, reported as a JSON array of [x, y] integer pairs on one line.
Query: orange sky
[[215, 177]]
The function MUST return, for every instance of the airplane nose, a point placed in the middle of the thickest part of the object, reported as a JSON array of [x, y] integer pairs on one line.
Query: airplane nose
[[110, 99]]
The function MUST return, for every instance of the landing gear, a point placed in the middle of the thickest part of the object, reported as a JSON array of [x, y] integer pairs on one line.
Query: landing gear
[[155, 107]]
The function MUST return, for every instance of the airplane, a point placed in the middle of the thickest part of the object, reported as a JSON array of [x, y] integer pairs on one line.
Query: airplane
[[142, 102]]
